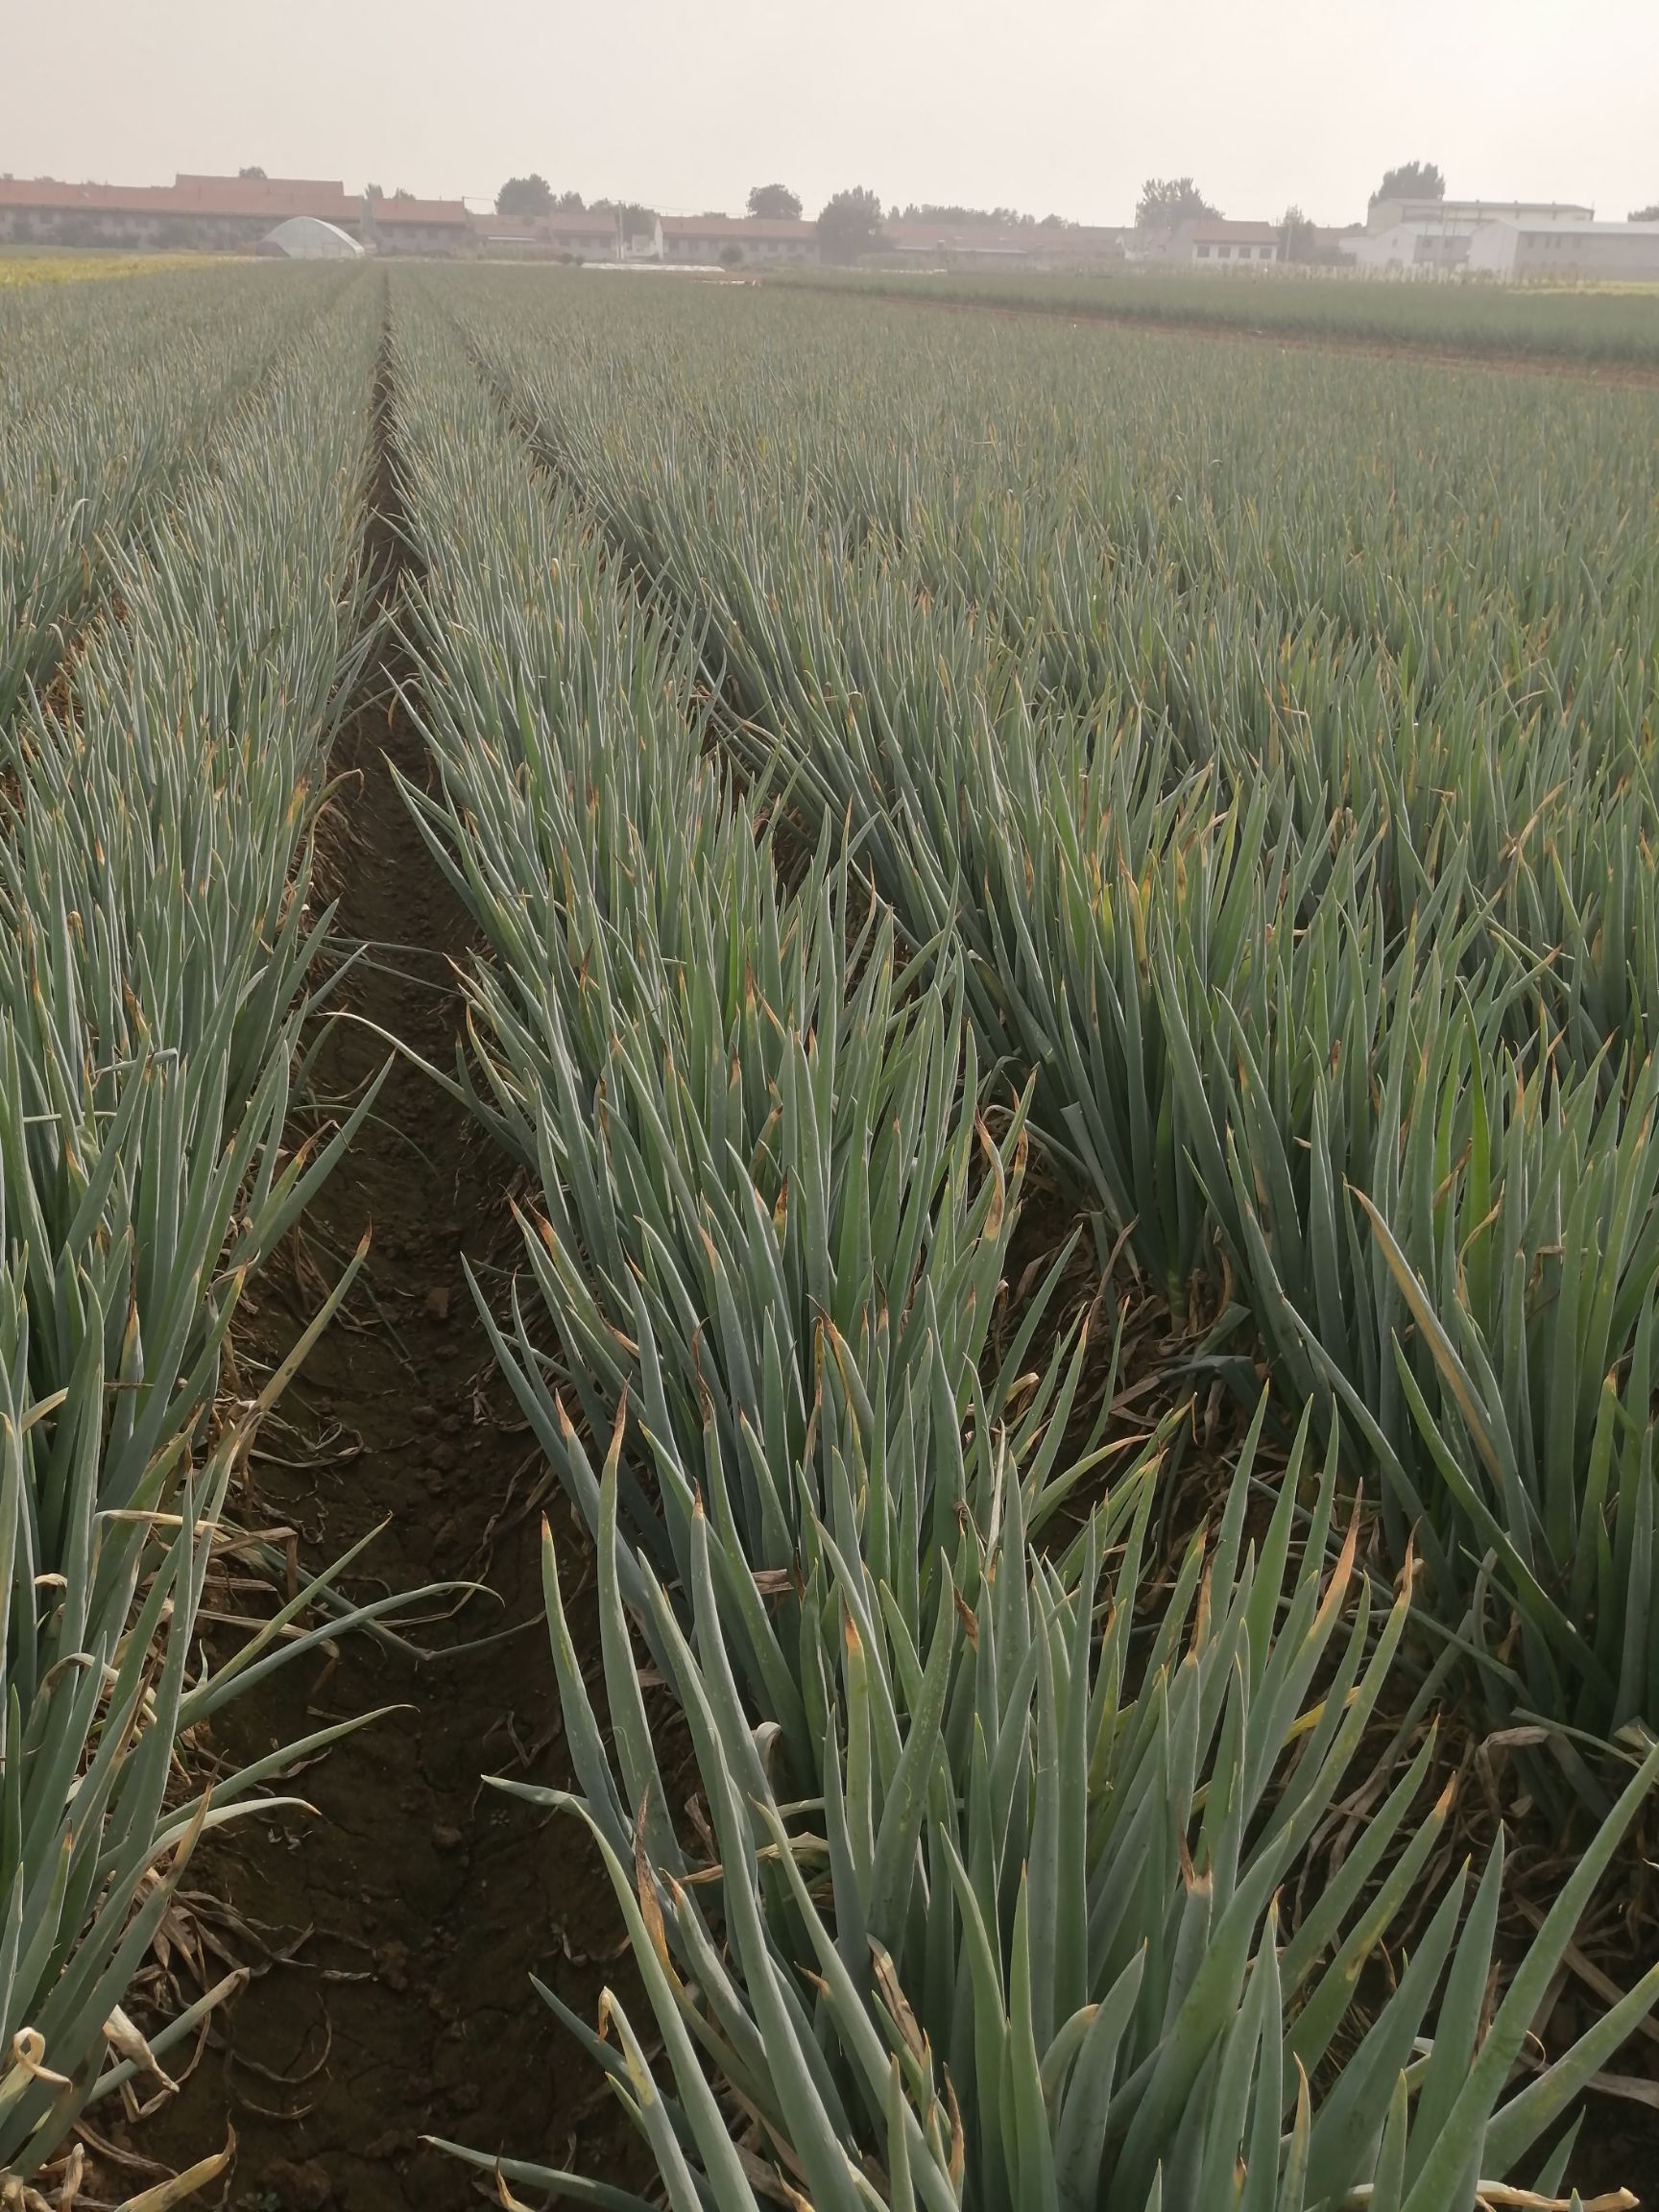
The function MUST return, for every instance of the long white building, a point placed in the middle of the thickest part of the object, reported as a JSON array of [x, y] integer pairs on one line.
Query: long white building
[[1414, 235], [1385, 214], [1577, 252], [1501, 237]]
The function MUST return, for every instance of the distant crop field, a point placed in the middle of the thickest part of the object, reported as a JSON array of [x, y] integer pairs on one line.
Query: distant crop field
[[1616, 325], [21, 267]]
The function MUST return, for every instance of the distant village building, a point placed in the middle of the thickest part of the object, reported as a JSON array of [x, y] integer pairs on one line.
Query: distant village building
[[1516, 240], [1384, 214], [703, 240], [224, 214], [961, 245], [1576, 252], [1437, 234], [1094, 244], [1206, 242], [934, 245], [1508, 239], [426, 227], [587, 234], [594, 235], [710, 241], [1086, 245], [1418, 242]]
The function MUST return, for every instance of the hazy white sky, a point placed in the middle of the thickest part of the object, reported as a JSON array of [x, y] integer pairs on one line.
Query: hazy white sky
[[1055, 105]]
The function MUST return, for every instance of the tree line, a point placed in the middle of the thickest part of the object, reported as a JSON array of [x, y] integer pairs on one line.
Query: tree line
[[850, 223], [533, 195]]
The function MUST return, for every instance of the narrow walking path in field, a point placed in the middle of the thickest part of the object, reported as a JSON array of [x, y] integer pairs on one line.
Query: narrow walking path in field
[[414, 1905]]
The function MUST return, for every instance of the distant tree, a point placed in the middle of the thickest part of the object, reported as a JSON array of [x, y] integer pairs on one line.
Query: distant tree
[[569, 204], [773, 204], [850, 224], [1411, 181], [1644, 215], [636, 221], [401, 193], [1296, 234], [998, 218], [530, 195], [254, 171], [731, 255], [1166, 201]]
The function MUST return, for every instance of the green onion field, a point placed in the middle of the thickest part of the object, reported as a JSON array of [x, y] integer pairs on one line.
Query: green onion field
[[829, 1248]]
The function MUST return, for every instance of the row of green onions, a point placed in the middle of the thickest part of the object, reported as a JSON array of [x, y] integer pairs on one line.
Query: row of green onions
[[159, 958], [991, 1900], [1287, 783]]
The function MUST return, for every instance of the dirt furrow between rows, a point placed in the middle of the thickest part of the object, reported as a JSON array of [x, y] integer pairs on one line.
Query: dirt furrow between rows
[[392, 1935]]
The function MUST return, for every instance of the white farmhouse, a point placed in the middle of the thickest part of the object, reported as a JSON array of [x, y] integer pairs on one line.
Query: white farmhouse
[[1418, 242], [1208, 242]]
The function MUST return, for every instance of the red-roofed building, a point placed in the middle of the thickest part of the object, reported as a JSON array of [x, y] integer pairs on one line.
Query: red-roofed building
[[418, 227], [1208, 242], [275, 196], [225, 214], [702, 240], [931, 244], [559, 235]]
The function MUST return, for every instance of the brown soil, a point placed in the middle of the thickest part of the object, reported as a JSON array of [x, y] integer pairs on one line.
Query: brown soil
[[417, 1904]]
